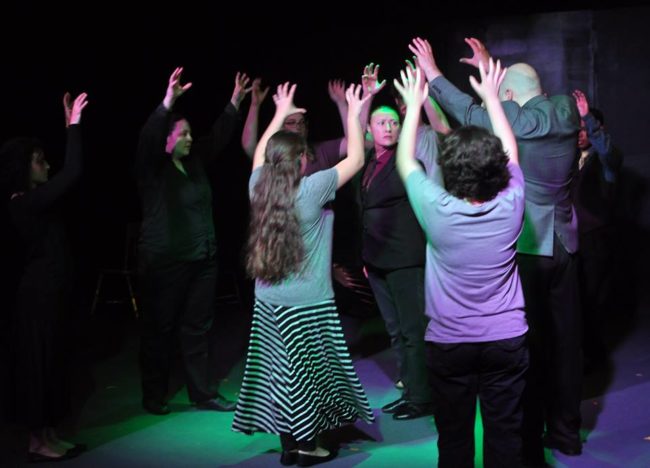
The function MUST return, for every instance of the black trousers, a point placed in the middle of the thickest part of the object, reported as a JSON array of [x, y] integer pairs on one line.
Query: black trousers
[[177, 300], [554, 384], [400, 298], [597, 264], [493, 371]]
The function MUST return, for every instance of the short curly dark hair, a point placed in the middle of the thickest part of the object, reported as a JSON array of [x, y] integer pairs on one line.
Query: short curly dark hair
[[15, 164], [473, 164]]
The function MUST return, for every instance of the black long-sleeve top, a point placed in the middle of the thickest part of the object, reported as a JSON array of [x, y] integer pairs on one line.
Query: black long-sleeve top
[[177, 222], [594, 185], [39, 223]]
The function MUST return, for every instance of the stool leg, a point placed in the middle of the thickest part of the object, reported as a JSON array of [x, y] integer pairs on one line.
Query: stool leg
[[100, 279], [133, 303]]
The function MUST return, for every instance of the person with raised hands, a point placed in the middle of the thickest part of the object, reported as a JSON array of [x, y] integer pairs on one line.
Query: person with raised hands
[[41, 309], [322, 154], [299, 380], [393, 253], [546, 129], [177, 246], [472, 213], [594, 191]]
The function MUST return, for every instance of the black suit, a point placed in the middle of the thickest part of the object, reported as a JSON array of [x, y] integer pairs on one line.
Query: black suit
[[392, 237], [394, 254]]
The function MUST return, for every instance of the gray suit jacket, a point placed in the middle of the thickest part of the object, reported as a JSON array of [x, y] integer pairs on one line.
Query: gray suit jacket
[[546, 130]]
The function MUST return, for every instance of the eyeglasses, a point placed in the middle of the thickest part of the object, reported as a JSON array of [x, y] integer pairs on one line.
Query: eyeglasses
[[296, 123]]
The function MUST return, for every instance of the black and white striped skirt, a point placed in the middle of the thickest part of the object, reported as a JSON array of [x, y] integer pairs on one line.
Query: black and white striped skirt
[[299, 377]]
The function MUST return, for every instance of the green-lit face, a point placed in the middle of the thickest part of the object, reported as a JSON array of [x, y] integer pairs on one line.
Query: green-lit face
[[179, 141], [384, 126], [39, 169]]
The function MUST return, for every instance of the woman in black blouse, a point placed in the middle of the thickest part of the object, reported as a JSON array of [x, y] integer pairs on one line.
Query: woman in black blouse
[[42, 396], [177, 246]]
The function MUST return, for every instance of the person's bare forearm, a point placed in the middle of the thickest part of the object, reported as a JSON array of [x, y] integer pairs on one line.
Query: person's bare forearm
[[249, 133]]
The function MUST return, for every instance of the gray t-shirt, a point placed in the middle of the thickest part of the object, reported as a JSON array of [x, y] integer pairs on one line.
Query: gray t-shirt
[[426, 148], [472, 287], [314, 281]]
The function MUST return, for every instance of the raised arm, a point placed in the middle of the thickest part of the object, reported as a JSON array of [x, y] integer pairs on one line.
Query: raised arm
[[349, 166], [414, 92], [480, 53], [437, 118], [151, 145], [598, 138], [240, 90], [488, 90], [611, 159], [210, 146], [67, 108], [43, 196], [336, 91], [525, 122], [460, 105], [371, 86], [174, 89], [284, 106], [249, 133]]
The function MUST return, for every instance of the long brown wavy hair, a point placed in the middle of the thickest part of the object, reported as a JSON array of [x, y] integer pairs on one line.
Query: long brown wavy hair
[[275, 245]]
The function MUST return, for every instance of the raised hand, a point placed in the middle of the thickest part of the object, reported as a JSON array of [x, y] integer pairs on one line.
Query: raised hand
[[412, 87], [240, 90], [581, 102], [67, 108], [283, 99], [413, 65], [354, 99], [336, 90], [424, 57], [370, 80], [488, 90], [479, 53], [174, 88], [490, 80], [257, 93], [77, 107]]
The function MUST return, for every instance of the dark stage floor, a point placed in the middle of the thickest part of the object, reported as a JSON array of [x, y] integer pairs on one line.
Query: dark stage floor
[[616, 405]]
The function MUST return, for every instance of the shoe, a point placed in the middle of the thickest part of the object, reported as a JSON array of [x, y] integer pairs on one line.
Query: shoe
[[392, 406], [289, 457], [304, 459], [399, 385], [34, 457], [155, 407], [78, 449], [217, 403], [413, 411], [567, 448]]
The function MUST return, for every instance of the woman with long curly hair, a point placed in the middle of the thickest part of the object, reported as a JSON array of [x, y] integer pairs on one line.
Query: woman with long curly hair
[[42, 395], [299, 379]]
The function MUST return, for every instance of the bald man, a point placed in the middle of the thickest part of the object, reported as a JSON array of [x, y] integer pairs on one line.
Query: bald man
[[546, 130]]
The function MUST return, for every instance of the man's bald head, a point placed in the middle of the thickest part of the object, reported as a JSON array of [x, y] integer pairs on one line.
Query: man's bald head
[[520, 84]]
